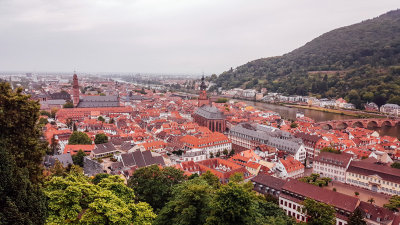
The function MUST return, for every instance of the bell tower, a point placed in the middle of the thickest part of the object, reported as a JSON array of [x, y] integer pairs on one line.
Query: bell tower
[[75, 93], [203, 99]]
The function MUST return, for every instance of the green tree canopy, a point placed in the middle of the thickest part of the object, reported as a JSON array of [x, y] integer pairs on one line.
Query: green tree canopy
[[21, 154], [100, 139], [154, 185], [74, 199], [68, 104], [189, 204], [78, 158], [79, 138], [394, 203], [356, 218], [100, 118], [395, 165], [19, 130], [319, 213]]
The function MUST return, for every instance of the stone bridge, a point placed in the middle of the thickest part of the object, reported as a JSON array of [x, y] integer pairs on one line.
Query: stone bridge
[[364, 123]]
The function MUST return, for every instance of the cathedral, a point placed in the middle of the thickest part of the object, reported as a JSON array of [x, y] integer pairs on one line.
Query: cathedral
[[94, 101], [208, 115]]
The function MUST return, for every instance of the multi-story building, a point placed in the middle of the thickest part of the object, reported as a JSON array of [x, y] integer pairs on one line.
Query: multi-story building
[[294, 192], [391, 109], [310, 143], [376, 177], [289, 168], [212, 143], [252, 135], [266, 184], [332, 165]]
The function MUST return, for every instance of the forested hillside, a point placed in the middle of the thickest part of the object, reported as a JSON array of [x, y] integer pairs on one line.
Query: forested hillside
[[360, 62]]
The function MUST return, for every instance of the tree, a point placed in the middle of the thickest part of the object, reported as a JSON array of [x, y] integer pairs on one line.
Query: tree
[[45, 113], [100, 118], [211, 179], [394, 203], [19, 131], [53, 112], [225, 152], [21, 201], [294, 125], [356, 218], [68, 104], [78, 158], [154, 185], [356, 193], [319, 213], [190, 204], [395, 165], [112, 121], [99, 177], [79, 138], [43, 121], [74, 199], [218, 154], [100, 139], [54, 146], [211, 155], [371, 200], [232, 152]]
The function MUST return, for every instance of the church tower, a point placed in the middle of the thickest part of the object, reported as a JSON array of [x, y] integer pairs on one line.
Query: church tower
[[75, 93], [203, 99]]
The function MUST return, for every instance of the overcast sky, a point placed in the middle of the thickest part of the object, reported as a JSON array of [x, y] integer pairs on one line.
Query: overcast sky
[[165, 36]]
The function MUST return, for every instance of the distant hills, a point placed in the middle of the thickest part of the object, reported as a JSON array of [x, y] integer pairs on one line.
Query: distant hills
[[360, 62]]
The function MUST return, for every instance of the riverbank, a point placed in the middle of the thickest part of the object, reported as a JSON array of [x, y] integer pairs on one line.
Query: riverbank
[[358, 114]]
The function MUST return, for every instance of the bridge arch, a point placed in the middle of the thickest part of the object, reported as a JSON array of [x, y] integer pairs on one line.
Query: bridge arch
[[386, 123], [342, 125], [358, 124], [372, 124], [327, 126]]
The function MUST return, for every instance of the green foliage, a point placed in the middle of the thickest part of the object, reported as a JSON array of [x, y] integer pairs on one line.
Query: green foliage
[[45, 113], [222, 100], [100, 118], [100, 139], [79, 138], [21, 202], [78, 158], [319, 213], [331, 150], [154, 185], [68, 104], [234, 203], [395, 165], [356, 218], [21, 153], [19, 131], [225, 152], [394, 203], [74, 199], [316, 180], [293, 125], [96, 180], [189, 205], [211, 179], [43, 121], [366, 69]]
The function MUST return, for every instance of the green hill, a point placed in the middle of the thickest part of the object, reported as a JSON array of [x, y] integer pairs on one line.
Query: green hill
[[360, 62]]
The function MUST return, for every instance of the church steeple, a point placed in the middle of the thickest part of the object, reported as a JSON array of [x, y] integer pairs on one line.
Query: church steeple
[[75, 92], [203, 99]]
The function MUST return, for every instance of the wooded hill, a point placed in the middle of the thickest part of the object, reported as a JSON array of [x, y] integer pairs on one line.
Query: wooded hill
[[360, 62]]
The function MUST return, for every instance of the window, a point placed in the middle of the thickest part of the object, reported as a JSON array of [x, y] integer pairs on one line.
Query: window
[[290, 205]]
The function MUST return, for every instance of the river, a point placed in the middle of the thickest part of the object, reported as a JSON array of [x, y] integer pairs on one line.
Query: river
[[290, 113]]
